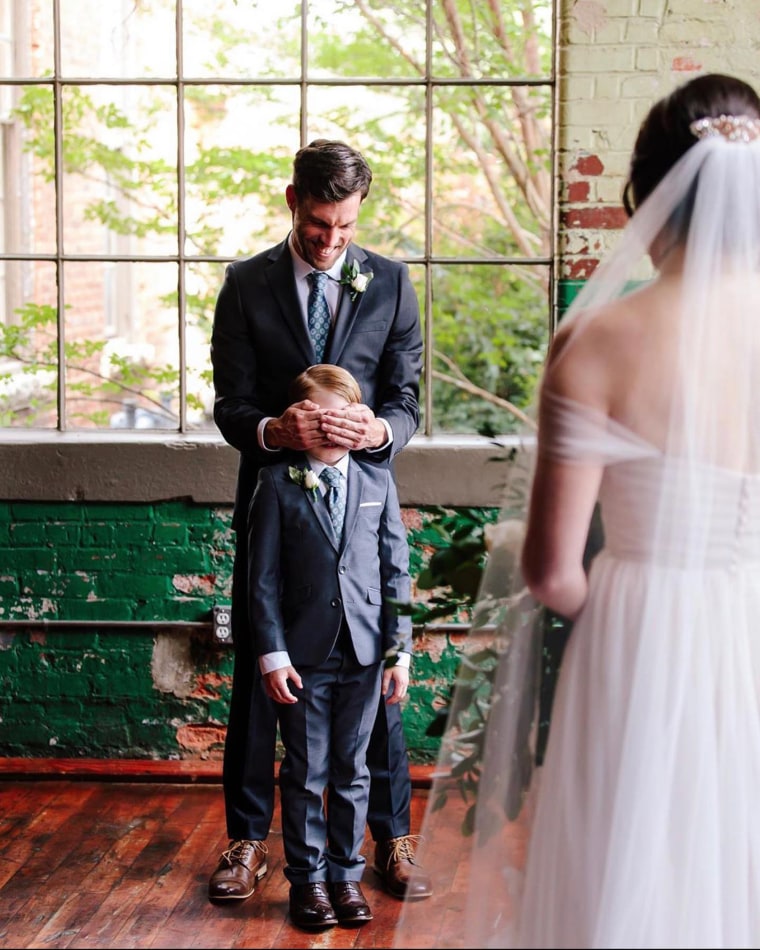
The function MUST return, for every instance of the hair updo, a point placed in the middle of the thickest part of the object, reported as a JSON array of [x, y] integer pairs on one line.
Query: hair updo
[[664, 135]]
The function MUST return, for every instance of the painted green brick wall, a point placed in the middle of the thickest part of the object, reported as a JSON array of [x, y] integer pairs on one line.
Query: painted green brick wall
[[112, 682]]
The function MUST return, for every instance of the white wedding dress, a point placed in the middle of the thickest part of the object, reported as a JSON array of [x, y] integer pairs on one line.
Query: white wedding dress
[[647, 830], [640, 825]]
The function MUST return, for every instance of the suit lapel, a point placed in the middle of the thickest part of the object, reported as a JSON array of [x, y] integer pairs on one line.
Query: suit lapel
[[282, 285], [353, 498], [319, 506], [347, 312]]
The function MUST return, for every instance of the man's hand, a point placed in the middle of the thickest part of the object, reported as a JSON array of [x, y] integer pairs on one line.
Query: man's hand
[[398, 676], [355, 427], [276, 684], [298, 428]]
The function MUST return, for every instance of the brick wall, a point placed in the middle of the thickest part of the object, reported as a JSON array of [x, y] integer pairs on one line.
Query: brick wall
[[106, 648], [616, 57]]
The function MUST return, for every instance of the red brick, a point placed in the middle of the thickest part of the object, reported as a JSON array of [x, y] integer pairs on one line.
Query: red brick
[[588, 165], [685, 64], [605, 217], [582, 268], [578, 191]]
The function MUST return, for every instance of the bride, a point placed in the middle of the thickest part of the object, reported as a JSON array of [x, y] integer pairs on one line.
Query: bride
[[640, 825]]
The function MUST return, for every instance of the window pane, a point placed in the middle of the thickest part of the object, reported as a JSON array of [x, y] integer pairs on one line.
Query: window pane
[[490, 329], [388, 132], [122, 346], [27, 187], [371, 38], [492, 190], [29, 346], [240, 144], [117, 38], [492, 40], [26, 36], [120, 156], [241, 39], [202, 285]]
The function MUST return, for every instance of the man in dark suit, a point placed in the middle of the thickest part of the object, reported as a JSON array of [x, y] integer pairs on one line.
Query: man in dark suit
[[260, 342], [328, 555]]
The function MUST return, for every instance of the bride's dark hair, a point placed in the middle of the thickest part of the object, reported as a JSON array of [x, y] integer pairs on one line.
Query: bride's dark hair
[[665, 136]]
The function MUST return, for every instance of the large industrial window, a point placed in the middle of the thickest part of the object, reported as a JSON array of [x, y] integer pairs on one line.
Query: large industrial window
[[145, 143]]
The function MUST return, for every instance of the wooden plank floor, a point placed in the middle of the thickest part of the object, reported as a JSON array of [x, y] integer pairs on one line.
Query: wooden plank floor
[[88, 863]]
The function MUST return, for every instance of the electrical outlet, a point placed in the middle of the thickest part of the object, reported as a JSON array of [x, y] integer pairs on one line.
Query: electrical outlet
[[222, 624]]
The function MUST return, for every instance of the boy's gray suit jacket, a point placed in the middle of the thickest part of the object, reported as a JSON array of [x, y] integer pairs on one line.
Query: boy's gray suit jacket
[[301, 583]]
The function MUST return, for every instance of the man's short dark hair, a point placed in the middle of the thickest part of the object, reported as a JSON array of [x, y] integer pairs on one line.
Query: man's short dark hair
[[330, 171]]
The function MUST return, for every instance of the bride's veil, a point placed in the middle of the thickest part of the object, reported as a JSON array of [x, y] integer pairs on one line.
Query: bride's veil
[[703, 370]]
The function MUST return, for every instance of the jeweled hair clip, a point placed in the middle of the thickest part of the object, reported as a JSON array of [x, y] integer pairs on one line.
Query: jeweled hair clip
[[733, 128]]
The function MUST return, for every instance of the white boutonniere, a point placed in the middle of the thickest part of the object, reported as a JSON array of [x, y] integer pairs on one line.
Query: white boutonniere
[[305, 478], [354, 279]]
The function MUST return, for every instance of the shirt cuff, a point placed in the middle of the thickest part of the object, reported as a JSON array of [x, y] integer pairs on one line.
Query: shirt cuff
[[388, 441], [269, 662], [404, 660], [260, 434]]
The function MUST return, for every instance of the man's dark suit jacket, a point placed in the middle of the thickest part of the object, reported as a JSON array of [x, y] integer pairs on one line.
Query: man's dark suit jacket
[[260, 343], [302, 583]]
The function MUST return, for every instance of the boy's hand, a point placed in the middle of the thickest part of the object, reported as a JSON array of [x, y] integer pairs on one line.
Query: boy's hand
[[395, 682], [276, 684]]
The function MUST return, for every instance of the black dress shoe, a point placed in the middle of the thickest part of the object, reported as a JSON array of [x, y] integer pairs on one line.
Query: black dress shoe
[[310, 906], [349, 903]]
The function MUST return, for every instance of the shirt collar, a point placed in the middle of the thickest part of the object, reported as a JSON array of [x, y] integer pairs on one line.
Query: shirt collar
[[316, 466], [302, 270]]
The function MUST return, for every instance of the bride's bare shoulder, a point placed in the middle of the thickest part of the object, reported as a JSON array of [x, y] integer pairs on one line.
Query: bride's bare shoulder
[[588, 355]]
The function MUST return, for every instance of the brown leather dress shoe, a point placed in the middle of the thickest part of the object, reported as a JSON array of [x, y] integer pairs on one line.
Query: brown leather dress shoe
[[394, 863], [240, 867], [349, 903], [310, 906]]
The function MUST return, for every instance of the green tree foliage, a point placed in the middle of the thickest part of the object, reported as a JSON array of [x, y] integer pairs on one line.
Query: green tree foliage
[[490, 191]]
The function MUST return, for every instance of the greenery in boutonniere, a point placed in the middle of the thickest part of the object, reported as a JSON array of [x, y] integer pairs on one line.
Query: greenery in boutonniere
[[305, 478], [354, 279]]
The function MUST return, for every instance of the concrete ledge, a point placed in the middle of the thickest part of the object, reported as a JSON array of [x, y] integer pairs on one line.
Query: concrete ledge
[[94, 467]]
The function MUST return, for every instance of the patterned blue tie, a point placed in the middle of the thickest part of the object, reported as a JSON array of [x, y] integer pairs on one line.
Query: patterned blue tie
[[335, 497], [318, 312]]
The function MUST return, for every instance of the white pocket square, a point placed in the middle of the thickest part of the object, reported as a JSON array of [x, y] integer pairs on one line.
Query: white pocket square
[[370, 504]]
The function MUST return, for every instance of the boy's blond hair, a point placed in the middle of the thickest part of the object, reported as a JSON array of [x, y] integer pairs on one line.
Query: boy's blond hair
[[327, 376]]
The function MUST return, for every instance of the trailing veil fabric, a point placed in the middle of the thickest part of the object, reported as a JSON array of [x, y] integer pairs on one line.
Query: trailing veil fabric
[[640, 825]]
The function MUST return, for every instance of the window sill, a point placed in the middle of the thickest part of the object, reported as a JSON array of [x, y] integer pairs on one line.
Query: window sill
[[142, 467]]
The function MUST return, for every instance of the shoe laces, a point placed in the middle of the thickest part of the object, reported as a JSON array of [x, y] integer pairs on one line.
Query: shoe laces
[[400, 849], [240, 851]]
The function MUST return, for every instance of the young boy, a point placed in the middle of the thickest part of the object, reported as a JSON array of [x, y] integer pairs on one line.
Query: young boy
[[327, 553]]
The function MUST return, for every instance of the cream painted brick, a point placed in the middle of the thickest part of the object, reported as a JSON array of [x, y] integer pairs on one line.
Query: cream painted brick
[[599, 59], [642, 31], [648, 59], [709, 8], [607, 114], [683, 34], [652, 8], [638, 86], [578, 139], [613, 31], [620, 8], [609, 188]]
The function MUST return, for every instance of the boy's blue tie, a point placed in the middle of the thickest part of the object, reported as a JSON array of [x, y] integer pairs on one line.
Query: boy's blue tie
[[335, 497]]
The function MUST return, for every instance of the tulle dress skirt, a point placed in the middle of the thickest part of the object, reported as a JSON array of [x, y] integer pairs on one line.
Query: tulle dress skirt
[[647, 824]]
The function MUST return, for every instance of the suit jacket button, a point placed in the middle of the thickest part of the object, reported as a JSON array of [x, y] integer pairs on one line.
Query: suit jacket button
[[335, 602], [342, 569]]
